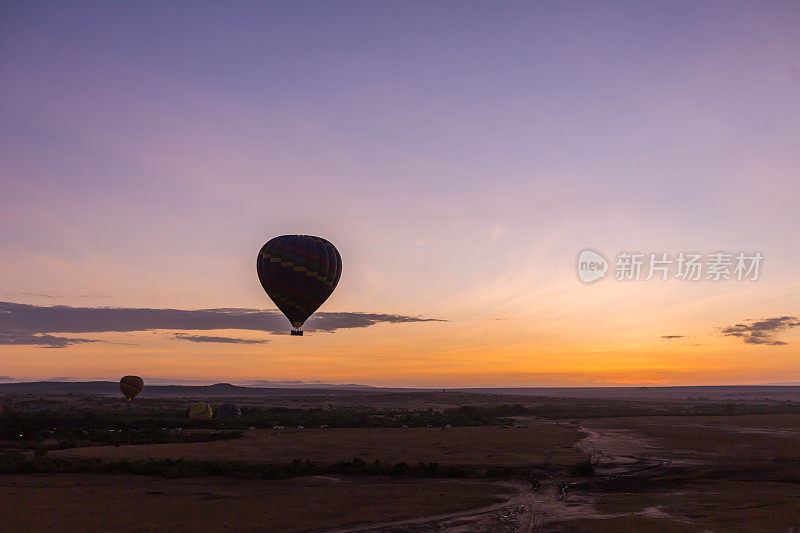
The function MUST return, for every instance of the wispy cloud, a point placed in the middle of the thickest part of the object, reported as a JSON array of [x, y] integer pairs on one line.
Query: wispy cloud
[[499, 230], [26, 324], [762, 331], [334, 321], [45, 341], [672, 336], [223, 340]]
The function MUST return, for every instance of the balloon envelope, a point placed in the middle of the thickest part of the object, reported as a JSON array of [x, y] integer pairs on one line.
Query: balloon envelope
[[298, 272], [200, 410], [229, 410], [131, 386]]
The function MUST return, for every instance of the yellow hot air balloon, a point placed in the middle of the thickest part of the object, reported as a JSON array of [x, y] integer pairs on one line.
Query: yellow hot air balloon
[[200, 410], [131, 386]]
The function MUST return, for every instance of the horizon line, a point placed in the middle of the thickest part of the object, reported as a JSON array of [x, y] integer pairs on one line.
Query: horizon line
[[289, 384]]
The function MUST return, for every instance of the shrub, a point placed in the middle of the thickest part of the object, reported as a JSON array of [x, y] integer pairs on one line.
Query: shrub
[[583, 469]]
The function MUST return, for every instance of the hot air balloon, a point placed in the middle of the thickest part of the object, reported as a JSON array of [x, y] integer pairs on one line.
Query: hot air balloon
[[131, 386], [228, 410], [298, 272], [200, 410]]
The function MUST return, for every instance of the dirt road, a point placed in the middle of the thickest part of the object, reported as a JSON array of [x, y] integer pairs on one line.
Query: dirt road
[[614, 453]]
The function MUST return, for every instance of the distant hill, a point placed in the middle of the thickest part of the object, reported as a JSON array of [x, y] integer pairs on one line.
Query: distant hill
[[719, 393], [219, 390], [726, 393]]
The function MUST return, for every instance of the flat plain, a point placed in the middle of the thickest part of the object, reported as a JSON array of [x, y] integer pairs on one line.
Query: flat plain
[[540, 442], [716, 460], [102, 502]]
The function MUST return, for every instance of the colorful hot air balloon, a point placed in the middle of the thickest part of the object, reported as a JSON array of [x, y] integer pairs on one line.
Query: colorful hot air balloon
[[228, 410], [131, 386], [200, 410], [298, 272]]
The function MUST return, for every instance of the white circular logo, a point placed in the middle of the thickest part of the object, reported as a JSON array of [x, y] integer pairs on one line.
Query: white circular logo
[[591, 266]]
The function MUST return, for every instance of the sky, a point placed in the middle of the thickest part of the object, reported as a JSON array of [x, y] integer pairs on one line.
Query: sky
[[459, 155]]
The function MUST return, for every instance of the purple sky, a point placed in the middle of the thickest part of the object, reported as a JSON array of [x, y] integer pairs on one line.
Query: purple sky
[[459, 154]]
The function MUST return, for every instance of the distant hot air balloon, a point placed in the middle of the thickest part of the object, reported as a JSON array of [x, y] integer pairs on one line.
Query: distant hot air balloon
[[200, 410], [131, 386], [298, 272], [228, 410]]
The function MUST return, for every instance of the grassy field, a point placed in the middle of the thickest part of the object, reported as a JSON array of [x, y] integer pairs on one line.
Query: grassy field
[[695, 506], [539, 443], [714, 466], [747, 439], [86, 502], [735, 473]]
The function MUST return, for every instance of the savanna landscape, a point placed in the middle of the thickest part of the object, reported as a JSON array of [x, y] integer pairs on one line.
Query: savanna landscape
[[325, 460], [451, 266]]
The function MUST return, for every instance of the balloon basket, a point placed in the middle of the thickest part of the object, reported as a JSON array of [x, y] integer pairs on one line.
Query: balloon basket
[[296, 332]]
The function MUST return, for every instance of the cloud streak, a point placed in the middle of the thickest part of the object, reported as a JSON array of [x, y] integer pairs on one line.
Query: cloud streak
[[672, 336], [762, 331], [24, 324], [45, 341], [221, 340]]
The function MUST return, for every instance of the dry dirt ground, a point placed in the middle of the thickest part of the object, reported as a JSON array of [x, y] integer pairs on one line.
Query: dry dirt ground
[[102, 502], [340, 501], [750, 439], [682, 474], [687, 473], [715, 473], [538, 443]]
